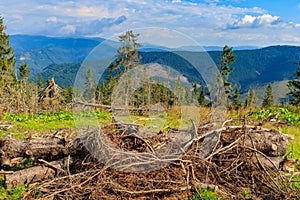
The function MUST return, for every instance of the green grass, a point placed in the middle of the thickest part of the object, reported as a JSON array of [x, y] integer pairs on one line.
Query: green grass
[[24, 124], [14, 193]]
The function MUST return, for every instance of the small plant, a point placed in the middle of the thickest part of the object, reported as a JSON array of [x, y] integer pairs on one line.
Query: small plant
[[205, 194], [247, 195]]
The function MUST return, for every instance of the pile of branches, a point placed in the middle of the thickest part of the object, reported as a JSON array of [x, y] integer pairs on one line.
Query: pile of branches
[[244, 159]]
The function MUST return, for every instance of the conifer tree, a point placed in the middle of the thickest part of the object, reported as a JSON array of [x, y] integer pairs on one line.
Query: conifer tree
[[250, 100], [127, 57], [294, 87], [90, 88], [195, 91], [7, 59], [227, 58], [268, 98], [40, 83], [201, 100], [128, 53], [24, 72], [236, 104]]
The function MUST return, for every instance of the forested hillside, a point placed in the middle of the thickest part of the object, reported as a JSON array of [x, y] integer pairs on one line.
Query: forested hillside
[[252, 68]]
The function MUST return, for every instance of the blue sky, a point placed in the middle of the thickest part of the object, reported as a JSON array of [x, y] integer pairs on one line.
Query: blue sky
[[209, 22]]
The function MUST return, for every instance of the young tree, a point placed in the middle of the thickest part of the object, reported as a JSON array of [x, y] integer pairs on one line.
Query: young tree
[[236, 104], [67, 94], [40, 82], [294, 87], [188, 95], [201, 100], [250, 100], [268, 98], [227, 58], [24, 72], [90, 87], [7, 59], [195, 91], [179, 90]]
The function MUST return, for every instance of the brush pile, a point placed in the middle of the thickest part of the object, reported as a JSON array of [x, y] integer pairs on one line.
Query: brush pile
[[244, 161]]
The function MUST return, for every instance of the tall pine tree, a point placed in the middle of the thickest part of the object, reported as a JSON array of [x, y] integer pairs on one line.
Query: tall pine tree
[[7, 59], [227, 58], [294, 87], [128, 53], [268, 98]]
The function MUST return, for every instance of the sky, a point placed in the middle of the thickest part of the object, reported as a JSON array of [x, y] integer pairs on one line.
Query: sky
[[208, 22]]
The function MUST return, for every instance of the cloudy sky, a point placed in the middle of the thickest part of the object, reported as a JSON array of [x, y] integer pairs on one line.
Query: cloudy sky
[[209, 22]]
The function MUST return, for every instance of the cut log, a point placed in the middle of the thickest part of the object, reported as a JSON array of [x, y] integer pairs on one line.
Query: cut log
[[45, 148], [36, 174], [271, 142]]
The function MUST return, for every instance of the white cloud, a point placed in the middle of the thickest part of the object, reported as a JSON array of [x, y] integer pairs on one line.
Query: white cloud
[[68, 29], [290, 38], [265, 20], [207, 22], [51, 19]]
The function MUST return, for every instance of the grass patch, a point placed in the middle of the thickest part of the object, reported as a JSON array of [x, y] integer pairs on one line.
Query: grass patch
[[24, 124], [14, 193]]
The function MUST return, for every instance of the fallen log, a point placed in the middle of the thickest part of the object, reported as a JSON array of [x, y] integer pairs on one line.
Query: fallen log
[[44, 148], [272, 143], [40, 173]]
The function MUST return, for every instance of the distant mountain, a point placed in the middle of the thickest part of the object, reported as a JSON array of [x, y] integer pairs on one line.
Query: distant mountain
[[41, 51], [252, 67], [261, 66], [61, 58]]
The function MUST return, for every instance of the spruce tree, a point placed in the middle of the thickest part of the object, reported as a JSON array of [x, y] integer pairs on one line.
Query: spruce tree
[[24, 72], [201, 100], [236, 104], [268, 98], [7, 59], [227, 58], [40, 82], [127, 56], [294, 87], [195, 91], [250, 100], [89, 89]]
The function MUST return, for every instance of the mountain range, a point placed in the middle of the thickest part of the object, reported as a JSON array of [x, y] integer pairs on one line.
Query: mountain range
[[61, 58]]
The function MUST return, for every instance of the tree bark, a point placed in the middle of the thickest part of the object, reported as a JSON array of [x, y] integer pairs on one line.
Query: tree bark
[[45, 148], [37, 173]]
